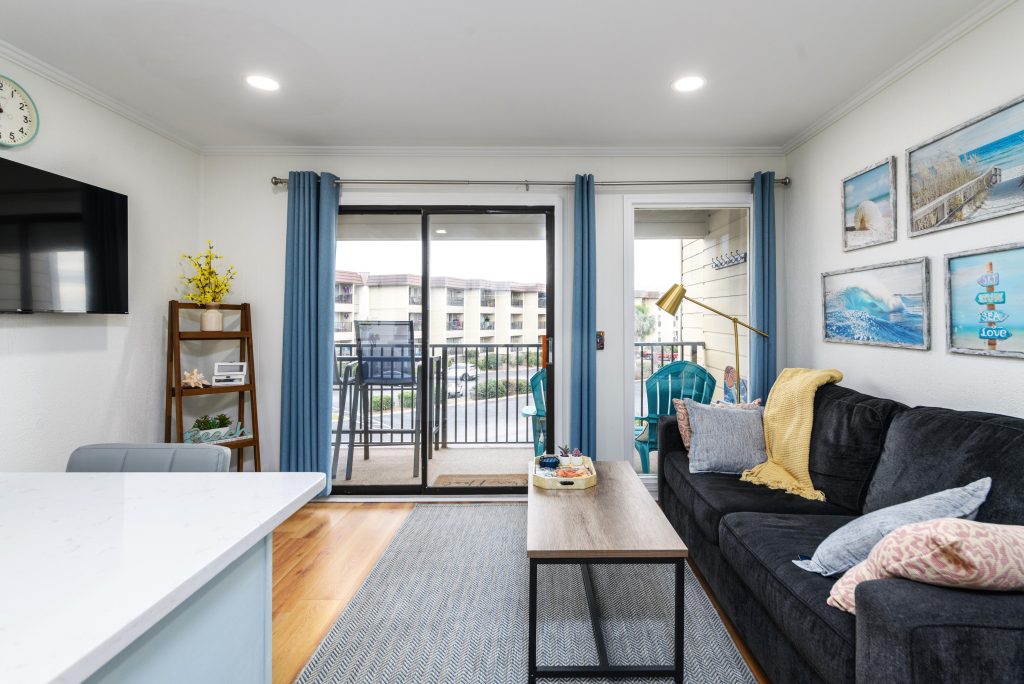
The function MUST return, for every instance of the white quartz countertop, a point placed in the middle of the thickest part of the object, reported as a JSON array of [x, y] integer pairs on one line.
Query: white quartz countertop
[[90, 561]]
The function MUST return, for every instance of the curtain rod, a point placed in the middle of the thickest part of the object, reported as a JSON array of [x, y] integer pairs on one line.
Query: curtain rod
[[527, 183]]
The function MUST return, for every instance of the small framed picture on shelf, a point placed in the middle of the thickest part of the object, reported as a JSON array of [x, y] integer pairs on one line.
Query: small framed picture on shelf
[[985, 301], [869, 206]]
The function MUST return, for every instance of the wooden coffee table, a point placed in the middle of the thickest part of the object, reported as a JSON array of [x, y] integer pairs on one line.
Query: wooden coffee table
[[615, 522]]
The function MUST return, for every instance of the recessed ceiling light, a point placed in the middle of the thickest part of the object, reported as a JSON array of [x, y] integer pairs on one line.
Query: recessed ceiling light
[[262, 82], [688, 84], [441, 231]]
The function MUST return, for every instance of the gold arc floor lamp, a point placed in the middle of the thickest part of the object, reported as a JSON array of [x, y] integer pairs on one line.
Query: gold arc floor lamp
[[669, 303]]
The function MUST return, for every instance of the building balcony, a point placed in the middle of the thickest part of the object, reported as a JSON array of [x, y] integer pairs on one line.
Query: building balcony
[[517, 325], [517, 300], [486, 324]]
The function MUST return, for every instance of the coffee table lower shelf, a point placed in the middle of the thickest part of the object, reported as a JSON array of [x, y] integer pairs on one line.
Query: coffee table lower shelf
[[603, 668]]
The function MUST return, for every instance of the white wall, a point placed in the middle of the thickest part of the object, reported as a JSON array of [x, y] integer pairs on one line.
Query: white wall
[[246, 217], [968, 78], [73, 379]]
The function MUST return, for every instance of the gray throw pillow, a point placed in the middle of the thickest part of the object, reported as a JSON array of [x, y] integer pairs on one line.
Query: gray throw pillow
[[852, 542], [725, 440]]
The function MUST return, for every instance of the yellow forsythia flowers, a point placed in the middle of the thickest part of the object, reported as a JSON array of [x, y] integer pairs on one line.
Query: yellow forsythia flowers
[[207, 286]]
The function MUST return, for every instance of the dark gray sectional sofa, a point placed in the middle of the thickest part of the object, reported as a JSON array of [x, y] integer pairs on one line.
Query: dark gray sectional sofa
[[866, 453]]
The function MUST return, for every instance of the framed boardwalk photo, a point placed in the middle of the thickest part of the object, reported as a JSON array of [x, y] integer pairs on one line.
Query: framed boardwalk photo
[[968, 174], [869, 206], [885, 305], [985, 301]]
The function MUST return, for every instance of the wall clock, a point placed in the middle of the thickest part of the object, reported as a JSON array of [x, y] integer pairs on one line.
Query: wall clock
[[19, 120]]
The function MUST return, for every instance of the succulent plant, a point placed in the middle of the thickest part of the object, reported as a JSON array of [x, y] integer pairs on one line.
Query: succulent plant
[[564, 451]]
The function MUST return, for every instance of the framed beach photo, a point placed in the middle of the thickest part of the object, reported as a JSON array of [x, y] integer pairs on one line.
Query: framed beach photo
[[885, 305], [869, 206], [985, 301], [968, 174]]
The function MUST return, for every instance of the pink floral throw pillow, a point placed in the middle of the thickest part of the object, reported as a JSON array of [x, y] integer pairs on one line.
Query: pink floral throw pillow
[[683, 420], [948, 552]]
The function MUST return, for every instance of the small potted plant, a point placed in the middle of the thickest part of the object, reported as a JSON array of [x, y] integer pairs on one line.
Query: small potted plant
[[577, 457], [207, 287], [207, 429], [564, 455]]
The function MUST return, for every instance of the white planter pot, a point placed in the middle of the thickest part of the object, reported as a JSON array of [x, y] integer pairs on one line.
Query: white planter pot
[[211, 320]]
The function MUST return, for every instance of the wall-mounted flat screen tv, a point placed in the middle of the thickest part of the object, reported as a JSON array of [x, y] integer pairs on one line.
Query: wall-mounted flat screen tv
[[63, 244]]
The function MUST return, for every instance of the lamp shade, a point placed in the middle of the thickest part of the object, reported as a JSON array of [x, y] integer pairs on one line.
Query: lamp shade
[[670, 301]]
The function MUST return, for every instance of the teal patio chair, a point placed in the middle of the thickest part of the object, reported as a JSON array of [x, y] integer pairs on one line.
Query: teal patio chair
[[677, 380], [538, 412]]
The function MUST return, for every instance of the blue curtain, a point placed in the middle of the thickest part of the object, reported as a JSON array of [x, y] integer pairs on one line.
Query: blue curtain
[[583, 379], [307, 362], [762, 308]]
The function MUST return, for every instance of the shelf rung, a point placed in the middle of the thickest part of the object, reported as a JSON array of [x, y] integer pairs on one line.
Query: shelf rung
[[222, 389], [220, 335]]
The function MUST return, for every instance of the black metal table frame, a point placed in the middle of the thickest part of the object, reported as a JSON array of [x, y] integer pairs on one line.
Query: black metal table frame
[[603, 668]]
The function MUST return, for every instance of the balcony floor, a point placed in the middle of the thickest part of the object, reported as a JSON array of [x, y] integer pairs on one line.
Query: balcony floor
[[392, 465]]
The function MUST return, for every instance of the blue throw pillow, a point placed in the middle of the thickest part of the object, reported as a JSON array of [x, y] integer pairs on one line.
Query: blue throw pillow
[[852, 542], [725, 439]]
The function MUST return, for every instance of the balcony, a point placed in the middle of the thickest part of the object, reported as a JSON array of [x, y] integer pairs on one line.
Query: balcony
[[542, 300], [417, 322], [517, 300], [456, 298], [343, 293], [486, 323], [343, 326], [455, 322], [487, 299], [517, 325]]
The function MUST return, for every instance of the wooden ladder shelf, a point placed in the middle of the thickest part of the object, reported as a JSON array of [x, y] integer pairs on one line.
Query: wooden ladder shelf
[[176, 392]]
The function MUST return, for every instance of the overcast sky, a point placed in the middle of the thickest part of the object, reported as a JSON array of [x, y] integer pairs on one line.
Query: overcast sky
[[522, 261]]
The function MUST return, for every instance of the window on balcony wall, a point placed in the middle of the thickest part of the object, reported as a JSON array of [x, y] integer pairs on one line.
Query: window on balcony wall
[[456, 297]]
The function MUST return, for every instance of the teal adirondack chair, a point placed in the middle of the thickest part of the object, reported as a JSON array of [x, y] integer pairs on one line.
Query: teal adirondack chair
[[677, 380], [538, 412]]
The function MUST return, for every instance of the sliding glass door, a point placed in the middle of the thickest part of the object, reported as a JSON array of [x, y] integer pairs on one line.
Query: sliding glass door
[[472, 288]]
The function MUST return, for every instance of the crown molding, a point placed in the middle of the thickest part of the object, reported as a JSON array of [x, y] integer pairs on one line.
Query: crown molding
[[922, 55], [455, 151], [69, 82]]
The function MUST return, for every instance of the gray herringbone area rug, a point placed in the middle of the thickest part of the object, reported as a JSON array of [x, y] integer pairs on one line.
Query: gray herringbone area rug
[[447, 603]]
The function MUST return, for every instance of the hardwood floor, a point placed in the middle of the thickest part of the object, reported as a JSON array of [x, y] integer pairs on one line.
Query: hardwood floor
[[322, 555]]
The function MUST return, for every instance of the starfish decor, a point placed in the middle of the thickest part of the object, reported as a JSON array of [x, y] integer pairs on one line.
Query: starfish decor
[[193, 378]]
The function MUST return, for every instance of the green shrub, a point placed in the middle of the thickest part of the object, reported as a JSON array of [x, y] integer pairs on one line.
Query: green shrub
[[500, 388], [381, 402]]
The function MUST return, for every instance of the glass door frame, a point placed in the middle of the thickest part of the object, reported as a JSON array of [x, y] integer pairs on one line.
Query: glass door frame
[[426, 211]]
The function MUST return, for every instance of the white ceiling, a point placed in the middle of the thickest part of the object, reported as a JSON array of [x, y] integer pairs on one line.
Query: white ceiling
[[586, 73]]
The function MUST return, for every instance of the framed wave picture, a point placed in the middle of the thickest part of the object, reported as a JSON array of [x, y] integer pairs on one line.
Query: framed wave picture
[[869, 206], [985, 301], [885, 305], [970, 173]]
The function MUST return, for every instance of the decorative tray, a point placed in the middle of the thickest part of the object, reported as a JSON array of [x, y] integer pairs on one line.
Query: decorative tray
[[564, 477]]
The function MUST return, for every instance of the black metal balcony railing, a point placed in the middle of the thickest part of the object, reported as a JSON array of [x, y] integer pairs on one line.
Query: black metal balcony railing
[[478, 392], [649, 357]]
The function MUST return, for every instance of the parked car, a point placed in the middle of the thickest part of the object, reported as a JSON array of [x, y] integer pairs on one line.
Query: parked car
[[661, 355], [456, 387], [463, 371]]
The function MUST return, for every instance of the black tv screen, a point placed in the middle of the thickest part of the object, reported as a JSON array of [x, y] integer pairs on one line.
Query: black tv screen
[[63, 244]]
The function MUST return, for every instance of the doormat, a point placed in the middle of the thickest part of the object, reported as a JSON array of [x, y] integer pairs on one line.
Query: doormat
[[507, 480]]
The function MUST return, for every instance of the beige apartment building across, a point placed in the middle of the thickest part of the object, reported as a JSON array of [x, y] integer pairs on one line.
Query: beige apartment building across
[[462, 311]]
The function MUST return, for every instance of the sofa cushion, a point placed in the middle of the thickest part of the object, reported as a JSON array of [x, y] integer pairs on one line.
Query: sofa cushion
[[760, 549], [709, 496], [846, 442], [931, 449]]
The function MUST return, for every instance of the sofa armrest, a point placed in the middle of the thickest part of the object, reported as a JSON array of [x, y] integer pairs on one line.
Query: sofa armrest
[[669, 442], [913, 632]]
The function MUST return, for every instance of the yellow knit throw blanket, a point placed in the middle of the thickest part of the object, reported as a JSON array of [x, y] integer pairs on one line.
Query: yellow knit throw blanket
[[788, 419]]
